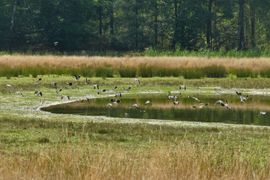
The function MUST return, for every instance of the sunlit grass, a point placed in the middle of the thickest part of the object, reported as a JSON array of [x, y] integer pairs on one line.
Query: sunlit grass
[[187, 67], [36, 145], [42, 149]]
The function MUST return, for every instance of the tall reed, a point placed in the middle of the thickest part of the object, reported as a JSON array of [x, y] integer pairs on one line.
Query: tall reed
[[187, 67]]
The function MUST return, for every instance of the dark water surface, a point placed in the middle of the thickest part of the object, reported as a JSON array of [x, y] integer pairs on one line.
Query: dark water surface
[[161, 107]]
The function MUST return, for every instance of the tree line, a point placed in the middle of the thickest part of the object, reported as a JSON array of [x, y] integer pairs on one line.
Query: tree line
[[134, 25]]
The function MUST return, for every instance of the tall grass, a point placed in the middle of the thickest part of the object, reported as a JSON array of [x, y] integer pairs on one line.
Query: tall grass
[[183, 161], [153, 53], [187, 67], [120, 151], [206, 53], [52, 148]]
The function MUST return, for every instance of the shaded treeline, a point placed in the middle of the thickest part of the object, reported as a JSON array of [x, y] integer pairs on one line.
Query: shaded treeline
[[132, 25]]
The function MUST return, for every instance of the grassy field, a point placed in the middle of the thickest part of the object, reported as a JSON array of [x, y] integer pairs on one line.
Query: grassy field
[[185, 67], [152, 52], [39, 145]]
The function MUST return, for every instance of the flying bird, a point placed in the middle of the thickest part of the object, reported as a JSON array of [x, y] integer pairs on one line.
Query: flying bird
[[55, 43], [223, 104], [238, 93]]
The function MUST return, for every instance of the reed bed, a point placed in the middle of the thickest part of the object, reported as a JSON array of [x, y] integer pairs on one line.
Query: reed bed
[[187, 67]]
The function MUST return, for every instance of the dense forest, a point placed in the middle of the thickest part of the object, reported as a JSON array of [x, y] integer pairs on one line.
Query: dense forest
[[134, 25]]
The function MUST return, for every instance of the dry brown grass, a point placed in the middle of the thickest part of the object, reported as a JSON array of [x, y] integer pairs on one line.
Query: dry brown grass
[[166, 62], [167, 161]]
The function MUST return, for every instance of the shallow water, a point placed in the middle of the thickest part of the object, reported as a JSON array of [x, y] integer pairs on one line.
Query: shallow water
[[161, 107]]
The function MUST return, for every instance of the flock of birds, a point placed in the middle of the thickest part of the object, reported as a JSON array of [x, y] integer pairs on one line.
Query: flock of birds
[[117, 96], [60, 88], [175, 100]]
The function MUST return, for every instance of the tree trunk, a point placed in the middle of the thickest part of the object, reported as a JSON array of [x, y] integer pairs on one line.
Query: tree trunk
[[253, 24], [241, 23], [136, 24], [100, 18], [12, 24], [175, 23], [112, 19], [156, 22], [209, 25], [12, 21]]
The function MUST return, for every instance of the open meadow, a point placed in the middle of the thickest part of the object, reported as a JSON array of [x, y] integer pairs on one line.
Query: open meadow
[[35, 144]]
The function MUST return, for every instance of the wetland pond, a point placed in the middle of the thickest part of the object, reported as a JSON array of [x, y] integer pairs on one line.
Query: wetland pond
[[255, 111]]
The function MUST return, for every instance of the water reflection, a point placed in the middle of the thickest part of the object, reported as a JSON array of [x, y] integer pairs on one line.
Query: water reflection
[[188, 109]]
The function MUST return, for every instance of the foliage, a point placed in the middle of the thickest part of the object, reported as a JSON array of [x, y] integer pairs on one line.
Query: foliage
[[69, 26]]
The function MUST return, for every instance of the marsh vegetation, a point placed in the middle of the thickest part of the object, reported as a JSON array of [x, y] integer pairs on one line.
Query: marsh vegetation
[[130, 67], [36, 144]]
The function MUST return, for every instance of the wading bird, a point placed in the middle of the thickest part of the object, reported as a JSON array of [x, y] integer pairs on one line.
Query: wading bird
[[195, 98], [243, 98], [87, 81], [183, 87], [54, 85], [128, 88], [69, 84], [109, 105], [118, 95], [116, 101], [136, 106], [65, 97], [58, 91], [96, 86], [202, 105], [77, 77], [175, 102], [38, 93], [174, 98], [20, 93], [137, 81], [148, 102]]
